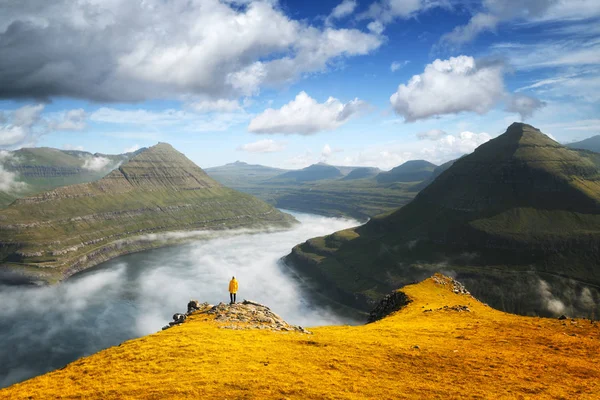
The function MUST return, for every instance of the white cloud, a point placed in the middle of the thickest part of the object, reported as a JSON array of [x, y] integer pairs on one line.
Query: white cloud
[[122, 50], [96, 163], [495, 12], [305, 116], [344, 9], [326, 152], [432, 134], [396, 65], [454, 146], [376, 27], [263, 146], [449, 87], [386, 11], [25, 125], [220, 105], [9, 181], [523, 105]]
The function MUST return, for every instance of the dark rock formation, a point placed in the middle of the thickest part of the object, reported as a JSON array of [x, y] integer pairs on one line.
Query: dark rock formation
[[389, 304]]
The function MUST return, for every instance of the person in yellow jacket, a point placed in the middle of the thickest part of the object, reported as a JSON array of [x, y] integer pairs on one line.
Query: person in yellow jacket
[[233, 288]]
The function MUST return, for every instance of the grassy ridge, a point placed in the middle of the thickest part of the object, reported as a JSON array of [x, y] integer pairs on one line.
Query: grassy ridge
[[54, 234], [422, 351]]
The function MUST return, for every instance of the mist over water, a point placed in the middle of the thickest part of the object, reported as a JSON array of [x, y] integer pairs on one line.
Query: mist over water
[[42, 329]]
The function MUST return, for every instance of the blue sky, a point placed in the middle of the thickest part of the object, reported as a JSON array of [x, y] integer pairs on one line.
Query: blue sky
[[291, 83]]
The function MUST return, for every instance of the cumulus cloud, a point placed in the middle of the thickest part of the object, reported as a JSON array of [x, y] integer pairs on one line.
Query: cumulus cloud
[[448, 87], [432, 134], [263, 146], [453, 146], [96, 163], [124, 50], [396, 65], [495, 12], [305, 116], [326, 152], [25, 125], [523, 105]]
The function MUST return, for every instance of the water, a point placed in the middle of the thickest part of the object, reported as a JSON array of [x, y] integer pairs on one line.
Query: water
[[42, 329]]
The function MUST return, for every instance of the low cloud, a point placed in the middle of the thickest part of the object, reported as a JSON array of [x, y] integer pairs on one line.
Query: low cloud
[[342, 10], [263, 146], [552, 304], [46, 328], [459, 84], [96, 163], [132, 149], [305, 116], [220, 105], [523, 105]]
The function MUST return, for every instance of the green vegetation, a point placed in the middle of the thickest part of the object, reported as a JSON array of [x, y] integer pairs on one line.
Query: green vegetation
[[520, 210], [320, 189], [54, 234], [41, 169], [410, 171]]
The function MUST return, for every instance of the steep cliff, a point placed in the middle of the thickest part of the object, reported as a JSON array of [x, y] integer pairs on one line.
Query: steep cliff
[[520, 213], [50, 236]]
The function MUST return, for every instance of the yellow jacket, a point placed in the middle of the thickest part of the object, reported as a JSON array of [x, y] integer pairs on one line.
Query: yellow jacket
[[233, 286]]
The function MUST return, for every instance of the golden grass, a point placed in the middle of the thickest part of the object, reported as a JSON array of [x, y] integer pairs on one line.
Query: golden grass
[[481, 354]]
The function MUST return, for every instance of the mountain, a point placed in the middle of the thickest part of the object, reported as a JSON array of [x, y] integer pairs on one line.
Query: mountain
[[591, 144], [518, 221], [241, 173], [361, 173], [43, 168], [435, 341], [410, 171], [436, 172], [315, 172], [52, 235]]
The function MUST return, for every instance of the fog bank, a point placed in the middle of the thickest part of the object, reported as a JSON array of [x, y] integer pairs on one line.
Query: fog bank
[[42, 329]]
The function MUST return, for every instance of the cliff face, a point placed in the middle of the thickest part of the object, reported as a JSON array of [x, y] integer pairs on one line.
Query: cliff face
[[520, 212], [440, 342], [50, 236]]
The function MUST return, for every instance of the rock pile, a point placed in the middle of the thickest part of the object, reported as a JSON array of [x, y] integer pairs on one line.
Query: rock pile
[[457, 308], [390, 303], [245, 315], [456, 286]]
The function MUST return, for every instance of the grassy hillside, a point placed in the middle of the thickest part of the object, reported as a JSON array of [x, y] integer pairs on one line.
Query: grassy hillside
[[441, 345], [52, 235], [321, 189], [410, 171], [44, 168], [518, 221], [590, 144]]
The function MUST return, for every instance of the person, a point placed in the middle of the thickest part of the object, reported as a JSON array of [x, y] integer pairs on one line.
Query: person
[[233, 288]]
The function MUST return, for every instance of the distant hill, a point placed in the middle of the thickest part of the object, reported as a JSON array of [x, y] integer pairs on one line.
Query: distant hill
[[410, 171], [44, 168], [518, 220], [591, 144], [47, 237], [436, 172], [315, 172], [361, 173], [241, 173]]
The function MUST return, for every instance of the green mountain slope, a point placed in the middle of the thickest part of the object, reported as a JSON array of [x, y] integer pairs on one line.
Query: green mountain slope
[[361, 173], [241, 173], [52, 235], [519, 213], [44, 168], [410, 171], [591, 144], [315, 172]]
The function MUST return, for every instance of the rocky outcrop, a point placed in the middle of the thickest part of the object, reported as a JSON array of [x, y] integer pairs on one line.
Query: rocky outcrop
[[389, 304], [245, 315]]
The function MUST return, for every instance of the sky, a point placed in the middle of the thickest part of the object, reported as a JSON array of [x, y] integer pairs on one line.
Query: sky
[[291, 83]]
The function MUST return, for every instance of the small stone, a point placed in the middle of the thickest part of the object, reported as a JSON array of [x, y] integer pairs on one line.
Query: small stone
[[562, 317]]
